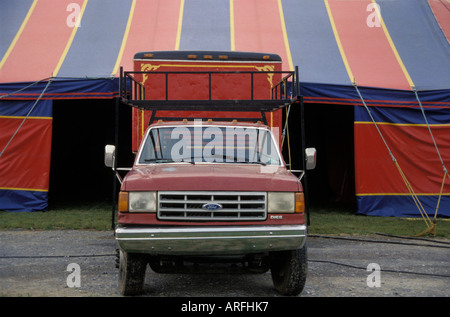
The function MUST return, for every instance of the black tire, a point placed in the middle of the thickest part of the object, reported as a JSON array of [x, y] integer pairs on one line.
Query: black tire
[[288, 270], [131, 273]]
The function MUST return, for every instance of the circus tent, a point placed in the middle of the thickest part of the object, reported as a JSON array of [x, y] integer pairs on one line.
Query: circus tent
[[385, 62]]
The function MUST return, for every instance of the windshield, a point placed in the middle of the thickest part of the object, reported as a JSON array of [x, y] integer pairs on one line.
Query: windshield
[[209, 144]]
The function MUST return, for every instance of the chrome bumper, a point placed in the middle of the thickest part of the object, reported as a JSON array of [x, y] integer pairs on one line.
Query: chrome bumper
[[210, 240]]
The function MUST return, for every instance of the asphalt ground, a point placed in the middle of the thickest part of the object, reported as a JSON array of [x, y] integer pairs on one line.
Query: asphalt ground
[[78, 263]]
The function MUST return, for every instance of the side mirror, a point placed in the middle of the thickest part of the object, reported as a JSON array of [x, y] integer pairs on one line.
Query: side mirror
[[110, 155], [310, 154]]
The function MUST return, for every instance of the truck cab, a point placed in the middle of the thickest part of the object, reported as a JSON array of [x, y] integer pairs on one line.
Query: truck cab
[[213, 191]]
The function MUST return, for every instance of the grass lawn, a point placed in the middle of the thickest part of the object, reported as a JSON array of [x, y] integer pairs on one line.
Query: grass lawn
[[335, 221], [96, 216], [323, 220]]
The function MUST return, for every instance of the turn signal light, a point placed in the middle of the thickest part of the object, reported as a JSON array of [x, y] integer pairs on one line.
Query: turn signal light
[[299, 202], [123, 202]]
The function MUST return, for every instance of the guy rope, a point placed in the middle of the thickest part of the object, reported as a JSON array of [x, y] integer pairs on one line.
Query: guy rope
[[440, 158], [431, 224]]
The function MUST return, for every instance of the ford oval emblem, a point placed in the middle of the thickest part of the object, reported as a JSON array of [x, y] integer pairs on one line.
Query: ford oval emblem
[[212, 206]]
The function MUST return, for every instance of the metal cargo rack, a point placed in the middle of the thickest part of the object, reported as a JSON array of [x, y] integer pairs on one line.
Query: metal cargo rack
[[284, 93]]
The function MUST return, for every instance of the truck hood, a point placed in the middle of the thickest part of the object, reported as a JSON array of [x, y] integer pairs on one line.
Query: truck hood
[[223, 177]]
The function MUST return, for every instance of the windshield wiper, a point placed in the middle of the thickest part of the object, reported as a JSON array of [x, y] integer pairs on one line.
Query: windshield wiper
[[192, 160], [159, 160], [165, 160], [253, 162]]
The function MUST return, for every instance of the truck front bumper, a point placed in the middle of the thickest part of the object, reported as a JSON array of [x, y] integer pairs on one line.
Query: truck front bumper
[[210, 240]]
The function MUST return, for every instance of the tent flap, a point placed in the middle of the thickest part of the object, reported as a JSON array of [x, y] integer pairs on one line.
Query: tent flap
[[401, 135], [25, 145]]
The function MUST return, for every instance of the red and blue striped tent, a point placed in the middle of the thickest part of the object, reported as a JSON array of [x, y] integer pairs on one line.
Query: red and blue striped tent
[[387, 60]]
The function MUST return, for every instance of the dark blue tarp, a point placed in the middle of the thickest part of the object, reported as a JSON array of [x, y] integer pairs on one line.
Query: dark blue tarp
[[347, 95], [61, 88]]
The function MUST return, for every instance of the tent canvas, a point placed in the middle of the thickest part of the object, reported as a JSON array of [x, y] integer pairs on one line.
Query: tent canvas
[[387, 47], [25, 155], [26, 115], [405, 134]]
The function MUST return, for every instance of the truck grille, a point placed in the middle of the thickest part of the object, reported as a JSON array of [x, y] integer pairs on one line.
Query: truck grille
[[212, 206]]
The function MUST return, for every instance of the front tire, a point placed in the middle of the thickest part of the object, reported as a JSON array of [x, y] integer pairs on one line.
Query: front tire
[[288, 270], [131, 273]]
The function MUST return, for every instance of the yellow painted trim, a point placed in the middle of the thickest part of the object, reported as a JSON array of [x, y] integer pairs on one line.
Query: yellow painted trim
[[339, 44], [125, 38], [142, 123], [232, 29], [24, 189], [69, 42], [207, 65], [203, 65], [403, 124], [180, 25], [23, 117], [16, 38], [402, 194], [392, 45], [285, 36]]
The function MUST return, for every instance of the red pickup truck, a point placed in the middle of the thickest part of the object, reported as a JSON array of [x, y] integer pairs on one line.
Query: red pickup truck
[[209, 191]]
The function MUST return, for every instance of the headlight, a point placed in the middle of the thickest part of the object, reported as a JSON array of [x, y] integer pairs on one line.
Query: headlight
[[285, 202], [281, 202], [142, 201]]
